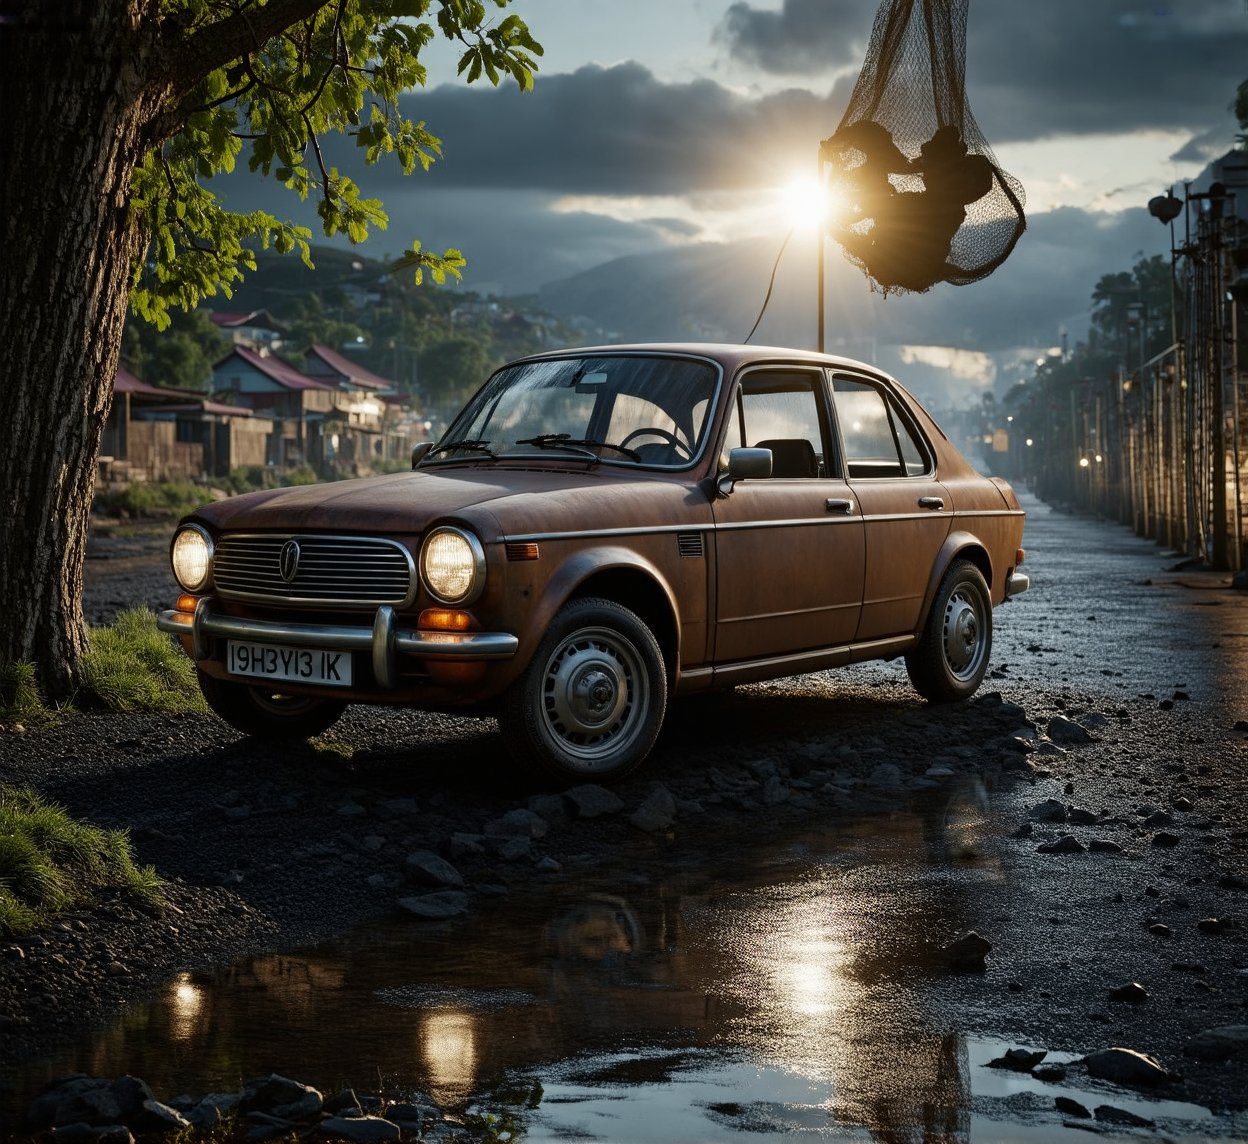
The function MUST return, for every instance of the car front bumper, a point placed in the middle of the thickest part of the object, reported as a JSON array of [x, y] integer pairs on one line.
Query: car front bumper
[[384, 640]]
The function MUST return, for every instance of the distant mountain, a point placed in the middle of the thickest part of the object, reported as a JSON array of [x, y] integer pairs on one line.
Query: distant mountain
[[950, 341]]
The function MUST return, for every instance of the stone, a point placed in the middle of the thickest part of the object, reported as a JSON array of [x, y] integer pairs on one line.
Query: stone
[[93, 1134], [1133, 991], [1071, 1108], [427, 867], [467, 845], [1127, 1067], [1158, 819], [1108, 1114], [1159, 929], [1082, 816], [361, 1129], [1067, 844], [1051, 810], [593, 801], [436, 906], [657, 811], [1067, 731], [156, 1119], [1165, 838], [1219, 1043], [511, 847], [1050, 1074], [1104, 846], [280, 1097], [94, 1101], [550, 806], [525, 823], [1019, 1060], [1214, 925], [967, 953]]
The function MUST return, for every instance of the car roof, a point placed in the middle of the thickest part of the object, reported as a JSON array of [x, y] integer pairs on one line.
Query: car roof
[[730, 355]]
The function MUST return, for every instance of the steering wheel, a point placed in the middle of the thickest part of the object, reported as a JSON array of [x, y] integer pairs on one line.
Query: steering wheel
[[664, 435]]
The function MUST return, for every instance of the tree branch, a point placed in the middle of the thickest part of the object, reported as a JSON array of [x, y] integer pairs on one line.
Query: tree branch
[[187, 59]]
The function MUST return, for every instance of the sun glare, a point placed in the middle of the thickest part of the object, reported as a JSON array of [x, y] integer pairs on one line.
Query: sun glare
[[805, 203]]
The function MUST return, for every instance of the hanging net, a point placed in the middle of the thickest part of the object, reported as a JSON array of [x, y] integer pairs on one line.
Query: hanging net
[[919, 197]]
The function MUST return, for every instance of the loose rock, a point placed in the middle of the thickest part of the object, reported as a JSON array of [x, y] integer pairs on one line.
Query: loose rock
[[1126, 1067]]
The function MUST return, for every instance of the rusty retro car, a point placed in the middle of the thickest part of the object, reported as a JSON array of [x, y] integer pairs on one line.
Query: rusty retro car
[[600, 530]]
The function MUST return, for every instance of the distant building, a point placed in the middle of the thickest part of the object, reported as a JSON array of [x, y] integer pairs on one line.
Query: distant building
[[256, 329], [336, 420], [161, 434]]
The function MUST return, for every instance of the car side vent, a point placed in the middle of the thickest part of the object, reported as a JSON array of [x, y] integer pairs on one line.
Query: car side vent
[[690, 544]]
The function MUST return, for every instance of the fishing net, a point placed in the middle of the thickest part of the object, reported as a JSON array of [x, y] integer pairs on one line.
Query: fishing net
[[921, 197]]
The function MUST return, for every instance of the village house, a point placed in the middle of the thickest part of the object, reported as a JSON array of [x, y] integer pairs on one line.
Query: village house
[[161, 434], [332, 414]]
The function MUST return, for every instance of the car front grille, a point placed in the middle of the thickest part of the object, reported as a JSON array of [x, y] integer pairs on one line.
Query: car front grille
[[351, 571]]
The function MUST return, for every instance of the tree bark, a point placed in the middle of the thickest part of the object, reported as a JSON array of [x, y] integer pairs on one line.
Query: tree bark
[[67, 152]]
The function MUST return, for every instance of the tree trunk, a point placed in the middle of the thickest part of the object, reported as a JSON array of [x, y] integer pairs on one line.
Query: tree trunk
[[67, 246]]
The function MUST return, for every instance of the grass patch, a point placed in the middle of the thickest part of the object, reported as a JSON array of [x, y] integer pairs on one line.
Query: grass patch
[[50, 862], [129, 666], [133, 666], [150, 498], [20, 701], [329, 746]]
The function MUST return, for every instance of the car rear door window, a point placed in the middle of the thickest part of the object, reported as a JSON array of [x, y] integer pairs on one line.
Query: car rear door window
[[879, 440]]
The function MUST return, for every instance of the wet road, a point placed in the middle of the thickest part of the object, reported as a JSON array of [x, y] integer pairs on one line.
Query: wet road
[[722, 988]]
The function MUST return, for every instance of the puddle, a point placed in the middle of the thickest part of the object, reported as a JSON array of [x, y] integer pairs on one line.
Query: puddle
[[736, 995]]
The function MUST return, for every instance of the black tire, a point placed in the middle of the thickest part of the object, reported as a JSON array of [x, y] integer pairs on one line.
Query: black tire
[[592, 701], [950, 660], [267, 713]]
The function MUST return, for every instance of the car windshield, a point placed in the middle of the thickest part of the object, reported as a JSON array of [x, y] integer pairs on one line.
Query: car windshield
[[618, 409]]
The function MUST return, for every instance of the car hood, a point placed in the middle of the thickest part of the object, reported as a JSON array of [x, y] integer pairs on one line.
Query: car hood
[[408, 502]]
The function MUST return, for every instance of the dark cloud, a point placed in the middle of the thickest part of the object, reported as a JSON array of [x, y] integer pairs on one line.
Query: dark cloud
[[616, 131], [804, 36], [1205, 147], [1039, 70]]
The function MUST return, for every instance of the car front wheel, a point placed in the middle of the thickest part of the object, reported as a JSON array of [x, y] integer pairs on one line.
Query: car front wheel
[[592, 700], [268, 714], [951, 657]]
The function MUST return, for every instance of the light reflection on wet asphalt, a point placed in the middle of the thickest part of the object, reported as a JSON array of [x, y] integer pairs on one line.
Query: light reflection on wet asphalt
[[748, 995]]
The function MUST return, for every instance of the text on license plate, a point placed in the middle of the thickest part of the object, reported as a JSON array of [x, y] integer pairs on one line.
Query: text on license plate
[[298, 664]]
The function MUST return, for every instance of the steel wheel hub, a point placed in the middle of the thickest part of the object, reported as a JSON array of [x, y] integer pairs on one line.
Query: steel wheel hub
[[963, 635], [589, 690]]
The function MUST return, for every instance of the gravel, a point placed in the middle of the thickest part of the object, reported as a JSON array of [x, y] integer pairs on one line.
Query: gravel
[[267, 848]]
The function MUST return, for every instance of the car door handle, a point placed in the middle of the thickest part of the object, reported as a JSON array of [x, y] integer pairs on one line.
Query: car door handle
[[833, 504], [931, 502]]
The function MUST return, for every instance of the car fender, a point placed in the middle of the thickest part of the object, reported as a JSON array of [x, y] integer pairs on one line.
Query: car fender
[[964, 545], [577, 568]]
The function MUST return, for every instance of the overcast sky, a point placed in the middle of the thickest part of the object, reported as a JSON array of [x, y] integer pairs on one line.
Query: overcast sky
[[657, 123]]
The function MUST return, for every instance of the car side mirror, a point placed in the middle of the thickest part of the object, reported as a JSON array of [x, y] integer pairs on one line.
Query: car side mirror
[[419, 451], [743, 465]]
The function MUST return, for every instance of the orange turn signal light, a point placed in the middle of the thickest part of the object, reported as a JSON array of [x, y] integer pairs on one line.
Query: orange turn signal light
[[446, 620], [1018, 557], [186, 603]]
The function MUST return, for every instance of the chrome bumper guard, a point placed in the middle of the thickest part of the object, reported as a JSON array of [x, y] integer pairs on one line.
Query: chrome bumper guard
[[1018, 582], [383, 640]]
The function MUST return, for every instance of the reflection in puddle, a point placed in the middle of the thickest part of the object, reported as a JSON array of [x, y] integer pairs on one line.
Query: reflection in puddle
[[787, 993]]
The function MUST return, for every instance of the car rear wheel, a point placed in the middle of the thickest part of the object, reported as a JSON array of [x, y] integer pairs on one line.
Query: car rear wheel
[[592, 700], [266, 713], [951, 657]]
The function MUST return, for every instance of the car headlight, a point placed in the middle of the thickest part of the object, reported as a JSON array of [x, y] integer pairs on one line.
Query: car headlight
[[191, 557], [452, 565]]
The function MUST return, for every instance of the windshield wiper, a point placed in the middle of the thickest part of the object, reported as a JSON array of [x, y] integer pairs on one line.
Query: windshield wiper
[[585, 444], [472, 446]]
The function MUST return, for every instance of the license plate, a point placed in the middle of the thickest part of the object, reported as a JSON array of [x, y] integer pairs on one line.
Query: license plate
[[295, 664]]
